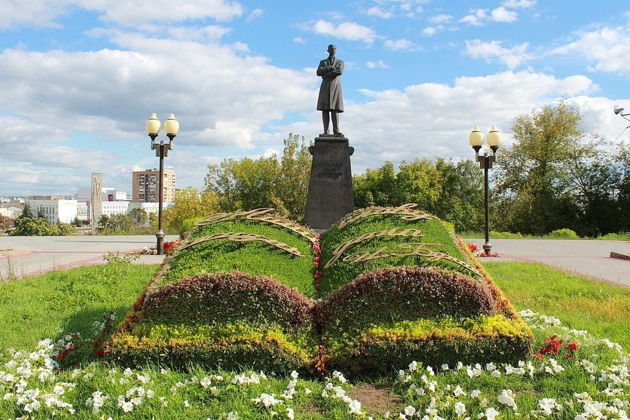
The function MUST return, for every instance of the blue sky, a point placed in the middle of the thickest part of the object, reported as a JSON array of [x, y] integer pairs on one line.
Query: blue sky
[[78, 78]]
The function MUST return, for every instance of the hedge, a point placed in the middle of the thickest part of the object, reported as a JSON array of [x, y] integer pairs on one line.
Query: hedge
[[234, 305], [268, 350], [229, 297], [402, 293]]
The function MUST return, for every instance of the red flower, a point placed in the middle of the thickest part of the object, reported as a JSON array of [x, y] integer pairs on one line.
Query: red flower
[[573, 346], [569, 355], [100, 352]]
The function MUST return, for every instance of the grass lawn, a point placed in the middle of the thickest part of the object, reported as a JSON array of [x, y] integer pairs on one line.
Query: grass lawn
[[581, 303], [62, 302], [58, 303]]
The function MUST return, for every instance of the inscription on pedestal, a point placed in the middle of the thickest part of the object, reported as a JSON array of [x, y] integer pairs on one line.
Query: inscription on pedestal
[[330, 194]]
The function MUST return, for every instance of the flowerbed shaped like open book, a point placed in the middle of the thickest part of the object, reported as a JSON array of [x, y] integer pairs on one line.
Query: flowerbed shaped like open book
[[382, 287]]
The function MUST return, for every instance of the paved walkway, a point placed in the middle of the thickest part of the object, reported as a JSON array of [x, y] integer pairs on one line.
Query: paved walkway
[[590, 258], [27, 255]]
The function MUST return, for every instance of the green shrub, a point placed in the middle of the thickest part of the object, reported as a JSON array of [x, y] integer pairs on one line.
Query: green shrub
[[505, 235], [27, 226], [401, 294], [188, 225], [564, 234], [621, 236]]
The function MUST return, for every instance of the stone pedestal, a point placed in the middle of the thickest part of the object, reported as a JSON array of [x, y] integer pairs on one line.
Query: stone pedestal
[[330, 187]]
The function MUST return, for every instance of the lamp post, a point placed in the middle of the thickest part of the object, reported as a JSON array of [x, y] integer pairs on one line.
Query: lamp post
[[171, 126], [485, 162]]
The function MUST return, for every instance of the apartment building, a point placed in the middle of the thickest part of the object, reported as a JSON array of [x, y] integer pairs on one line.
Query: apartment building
[[145, 186]]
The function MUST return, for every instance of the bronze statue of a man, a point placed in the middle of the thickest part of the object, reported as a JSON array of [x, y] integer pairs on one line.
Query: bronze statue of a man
[[330, 100]]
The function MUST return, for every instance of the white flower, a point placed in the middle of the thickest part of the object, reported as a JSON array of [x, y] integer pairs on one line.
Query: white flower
[[489, 414], [548, 405], [290, 414], [413, 366], [127, 372], [475, 393], [355, 407], [232, 415], [445, 366], [409, 411], [186, 403], [294, 375], [460, 408], [458, 391], [507, 398]]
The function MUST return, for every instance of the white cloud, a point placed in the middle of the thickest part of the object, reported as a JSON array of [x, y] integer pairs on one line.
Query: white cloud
[[442, 18], [494, 51], [133, 12], [430, 30], [350, 31], [607, 47], [519, 4], [400, 45], [377, 64], [129, 12], [422, 119], [299, 40], [222, 99], [255, 14], [501, 14], [378, 12], [211, 33], [475, 17]]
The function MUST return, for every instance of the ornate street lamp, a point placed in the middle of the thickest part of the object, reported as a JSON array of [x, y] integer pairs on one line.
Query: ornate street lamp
[[485, 162], [171, 126]]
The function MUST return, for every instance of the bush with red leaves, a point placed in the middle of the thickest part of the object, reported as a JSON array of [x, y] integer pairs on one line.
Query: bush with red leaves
[[228, 297], [403, 293]]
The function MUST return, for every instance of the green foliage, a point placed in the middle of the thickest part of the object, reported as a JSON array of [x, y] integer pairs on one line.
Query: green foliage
[[189, 204], [564, 234], [27, 211], [249, 257], [621, 236], [342, 272], [265, 182], [451, 191], [137, 222], [505, 235], [553, 176], [25, 226]]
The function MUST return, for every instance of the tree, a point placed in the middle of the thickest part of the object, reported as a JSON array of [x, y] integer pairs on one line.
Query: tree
[[6, 223], [190, 203], [139, 217], [264, 182], [40, 213], [451, 191], [27, 211], [534, 184]]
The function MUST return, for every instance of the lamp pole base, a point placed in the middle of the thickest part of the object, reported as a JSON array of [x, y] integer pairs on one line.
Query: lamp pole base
[[160, 242]]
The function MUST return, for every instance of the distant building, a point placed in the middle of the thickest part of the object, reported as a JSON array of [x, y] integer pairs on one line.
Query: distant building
[[54, 209], [145, 186]]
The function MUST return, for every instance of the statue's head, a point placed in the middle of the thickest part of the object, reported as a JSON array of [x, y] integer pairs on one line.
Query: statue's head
[[331, 49]]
